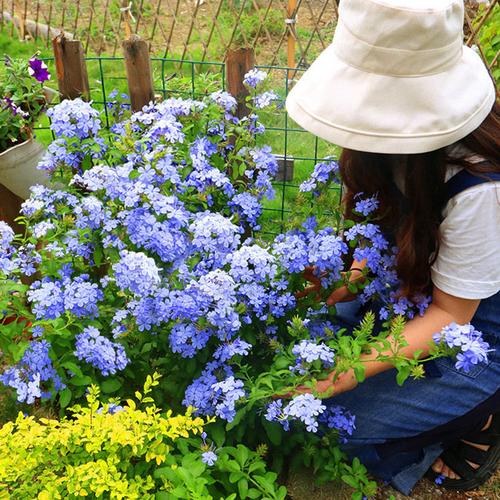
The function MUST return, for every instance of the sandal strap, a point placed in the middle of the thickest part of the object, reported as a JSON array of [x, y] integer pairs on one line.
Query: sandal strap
[[487, 437], [471, 453], [490, 436], [457, 464]]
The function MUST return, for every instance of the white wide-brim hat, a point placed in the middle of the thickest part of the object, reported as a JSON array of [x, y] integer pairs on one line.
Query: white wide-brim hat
[[396, 79]]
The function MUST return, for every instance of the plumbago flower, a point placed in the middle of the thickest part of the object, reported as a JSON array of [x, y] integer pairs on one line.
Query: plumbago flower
[[466, 342], [144, 256]]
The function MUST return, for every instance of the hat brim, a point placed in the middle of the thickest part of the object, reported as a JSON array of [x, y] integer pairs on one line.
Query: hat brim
[[378, 113]]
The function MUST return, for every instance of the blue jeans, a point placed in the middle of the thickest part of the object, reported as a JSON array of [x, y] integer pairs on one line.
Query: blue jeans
[[386, 412]]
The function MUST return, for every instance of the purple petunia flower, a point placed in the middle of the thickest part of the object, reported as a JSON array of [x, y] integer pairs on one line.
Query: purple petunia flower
[[16, 110], [38, 70]]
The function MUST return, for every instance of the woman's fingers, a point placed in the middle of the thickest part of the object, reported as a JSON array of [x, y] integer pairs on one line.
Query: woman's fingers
[[307, 291], [311, 275], [341, 294]]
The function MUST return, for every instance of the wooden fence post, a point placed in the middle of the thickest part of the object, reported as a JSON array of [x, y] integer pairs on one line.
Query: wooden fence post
[[238, 63], [290, 22], [139, 77], [71, 70]]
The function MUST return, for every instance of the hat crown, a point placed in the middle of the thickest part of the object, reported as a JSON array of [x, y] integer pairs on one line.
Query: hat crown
[[400, 37]]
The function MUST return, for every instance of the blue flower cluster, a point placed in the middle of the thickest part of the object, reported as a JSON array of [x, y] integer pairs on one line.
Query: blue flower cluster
[[32, 373], [136, 272], [338, 418], [323, 248], [469, 343], [254, 78], [105, 355], [265, 99], [307, 352], [248, 207], [304, 408], [52, 298], [74, 119], [366, 206], [323, 173], [6, 249]]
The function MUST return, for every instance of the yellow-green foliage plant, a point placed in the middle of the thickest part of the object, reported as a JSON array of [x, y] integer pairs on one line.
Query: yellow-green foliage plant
[[125, 452]]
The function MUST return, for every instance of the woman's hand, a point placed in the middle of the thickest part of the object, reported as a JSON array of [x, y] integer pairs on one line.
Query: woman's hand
[[327, 388], [341, 294], [309, 275]]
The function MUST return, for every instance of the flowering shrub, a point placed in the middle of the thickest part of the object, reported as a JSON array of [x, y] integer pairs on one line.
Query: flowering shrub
[[147, 259], [113, 451], [22, 99]]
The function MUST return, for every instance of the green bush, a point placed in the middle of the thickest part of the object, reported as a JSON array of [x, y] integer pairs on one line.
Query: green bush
[[489, 38], [112, 451]]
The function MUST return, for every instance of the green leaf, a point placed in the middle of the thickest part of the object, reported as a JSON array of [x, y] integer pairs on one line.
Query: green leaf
[[79, 381], [235, 476], [98, 255], [217, 433], [253, 493], [403, 374], [146, 347], [241, 454], [73, 368], [65, 398], [282, 492], [243, 488], [110, 385], [281, 362], [360, 373], [274, 432], [350, 480], [237, 419]]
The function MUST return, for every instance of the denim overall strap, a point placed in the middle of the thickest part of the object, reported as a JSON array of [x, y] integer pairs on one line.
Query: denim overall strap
[[465, 180], [487, 317]]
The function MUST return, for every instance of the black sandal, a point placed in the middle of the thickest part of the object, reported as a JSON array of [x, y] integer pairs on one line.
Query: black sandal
[[456, 459]]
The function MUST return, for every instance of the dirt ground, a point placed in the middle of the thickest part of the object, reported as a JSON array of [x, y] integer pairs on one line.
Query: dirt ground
[[301, 487]]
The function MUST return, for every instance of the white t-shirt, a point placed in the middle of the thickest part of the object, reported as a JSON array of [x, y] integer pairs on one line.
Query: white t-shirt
[[468, 262]]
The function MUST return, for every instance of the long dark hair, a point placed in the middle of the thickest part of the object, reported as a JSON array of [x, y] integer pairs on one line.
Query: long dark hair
[[416, 227]]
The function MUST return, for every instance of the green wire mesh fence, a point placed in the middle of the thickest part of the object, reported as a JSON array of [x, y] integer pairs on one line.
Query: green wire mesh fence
[[297, 151]]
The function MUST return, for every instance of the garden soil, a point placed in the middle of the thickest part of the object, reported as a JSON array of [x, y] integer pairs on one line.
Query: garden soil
[[301, 487]]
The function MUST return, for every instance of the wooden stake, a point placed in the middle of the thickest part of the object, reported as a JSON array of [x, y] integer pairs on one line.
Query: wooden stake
[[292, 4], [71, 70], [140, 80], [238, 63]]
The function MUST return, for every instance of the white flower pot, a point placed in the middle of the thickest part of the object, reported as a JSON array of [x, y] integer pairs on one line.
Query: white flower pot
[[18, 170]]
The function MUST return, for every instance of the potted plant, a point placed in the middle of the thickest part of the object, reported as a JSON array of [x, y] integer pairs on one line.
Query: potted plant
[[22, 99]]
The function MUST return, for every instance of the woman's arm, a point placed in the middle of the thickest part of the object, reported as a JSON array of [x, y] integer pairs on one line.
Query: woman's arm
[[418, 332]]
